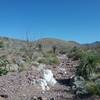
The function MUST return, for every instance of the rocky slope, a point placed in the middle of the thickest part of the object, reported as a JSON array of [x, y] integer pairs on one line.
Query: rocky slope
[[17, 85]]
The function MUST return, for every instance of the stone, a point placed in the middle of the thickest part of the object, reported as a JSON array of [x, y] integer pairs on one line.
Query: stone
[[48, 76], [42, 83]]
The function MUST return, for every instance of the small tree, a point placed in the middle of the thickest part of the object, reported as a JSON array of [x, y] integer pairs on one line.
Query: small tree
[[40, 47], [54, 49]]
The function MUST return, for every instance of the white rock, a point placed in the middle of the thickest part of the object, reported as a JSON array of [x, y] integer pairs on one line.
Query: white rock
[[46, 79], [42, 83], [48, 76]]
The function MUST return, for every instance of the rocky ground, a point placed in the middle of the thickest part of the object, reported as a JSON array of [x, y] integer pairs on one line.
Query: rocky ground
[[18, 85]]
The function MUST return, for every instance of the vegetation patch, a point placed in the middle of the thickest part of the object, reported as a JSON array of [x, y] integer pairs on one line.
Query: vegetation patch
[[93, 88], [3, 61], [3, 71], [87, 66], [49, 58], [1, 44]]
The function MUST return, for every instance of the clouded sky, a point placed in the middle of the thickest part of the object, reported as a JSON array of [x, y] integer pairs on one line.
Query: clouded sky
[[77, 20]]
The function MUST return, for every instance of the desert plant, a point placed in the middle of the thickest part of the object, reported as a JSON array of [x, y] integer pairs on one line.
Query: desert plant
[[63, 51], [75, 53], [3, 62], [40, 47], [54, 49], [3, 71], [87, 65], [1, 44], [49, 58], [53, 60], [93, 88], [98, 86], [79, 86], [42, 60]]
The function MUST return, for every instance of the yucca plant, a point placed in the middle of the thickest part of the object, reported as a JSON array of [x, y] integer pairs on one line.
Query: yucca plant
[[87, 65]]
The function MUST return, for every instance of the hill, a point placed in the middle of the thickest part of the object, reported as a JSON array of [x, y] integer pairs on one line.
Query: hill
[[48, 43], [93, 46]]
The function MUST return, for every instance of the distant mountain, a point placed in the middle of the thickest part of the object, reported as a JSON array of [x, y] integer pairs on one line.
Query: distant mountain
[[92, 46], [48, 43], [10, 43]]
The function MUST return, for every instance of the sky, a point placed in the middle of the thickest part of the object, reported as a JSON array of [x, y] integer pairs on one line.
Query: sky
[[71, 20]]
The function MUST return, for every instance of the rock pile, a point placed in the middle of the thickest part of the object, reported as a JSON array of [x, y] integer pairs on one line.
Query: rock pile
[[46, 80]]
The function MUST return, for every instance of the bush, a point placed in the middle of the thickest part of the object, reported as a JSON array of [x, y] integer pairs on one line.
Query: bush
[[75, 53], [1, 44], [3, 61], [79, 86], [84, 88], [98, 86], [52, 60], [42, 60], [95, 76], [93, 88], [3, 71], [49, 58], [87, 66]]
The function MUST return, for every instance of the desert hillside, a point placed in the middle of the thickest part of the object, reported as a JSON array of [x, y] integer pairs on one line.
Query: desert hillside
[[49, 69]]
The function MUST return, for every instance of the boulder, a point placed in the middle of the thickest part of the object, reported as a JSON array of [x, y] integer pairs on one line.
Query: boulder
[[48, 76], [43, 84], [46, 80]]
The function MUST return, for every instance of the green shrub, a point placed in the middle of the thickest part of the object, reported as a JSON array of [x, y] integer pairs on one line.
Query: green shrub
[[49, 61], [93, 88], [49, 58], [1, 44], [75, 53], [79, 86], [3, 71], [63, 51], [52, 60], [3, 61], [95, 76], [98, 86], [87, 66], [42, 60]]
